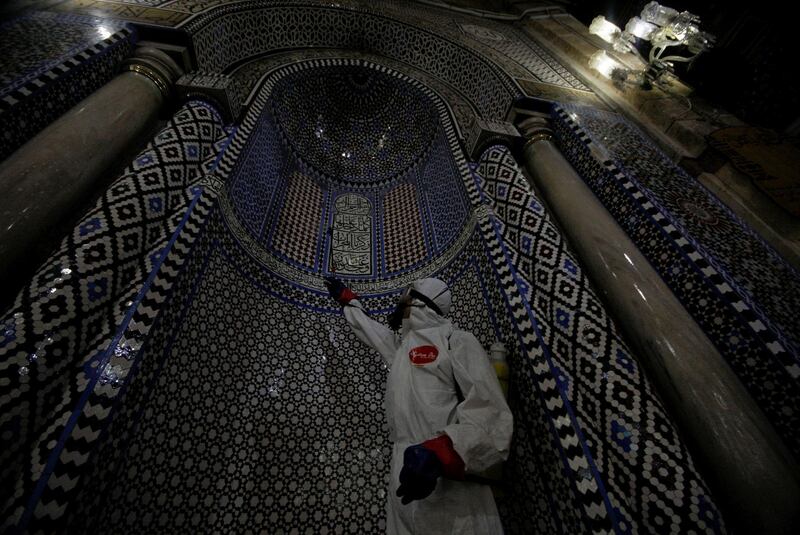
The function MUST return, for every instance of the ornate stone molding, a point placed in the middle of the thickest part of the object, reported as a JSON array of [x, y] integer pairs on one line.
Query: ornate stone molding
[[219, 89], [536, 128], [486, 132]]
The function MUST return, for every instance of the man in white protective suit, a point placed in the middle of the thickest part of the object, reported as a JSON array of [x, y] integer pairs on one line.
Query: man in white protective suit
[[447, 415]]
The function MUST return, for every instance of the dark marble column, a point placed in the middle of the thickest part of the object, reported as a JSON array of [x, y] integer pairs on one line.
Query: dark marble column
[[46, 180], [751, 473]]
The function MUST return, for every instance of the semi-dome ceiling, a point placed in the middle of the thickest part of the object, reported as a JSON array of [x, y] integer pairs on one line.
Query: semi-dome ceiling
[[348, 167], [354, 125]]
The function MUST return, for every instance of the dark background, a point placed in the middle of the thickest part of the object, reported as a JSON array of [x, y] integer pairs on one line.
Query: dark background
[[753, 69]]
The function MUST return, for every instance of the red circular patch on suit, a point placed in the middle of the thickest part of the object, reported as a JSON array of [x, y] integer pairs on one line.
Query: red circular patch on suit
[[422, 355]]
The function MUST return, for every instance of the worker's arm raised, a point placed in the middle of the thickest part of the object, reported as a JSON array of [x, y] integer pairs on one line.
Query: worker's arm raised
[[371, 332]]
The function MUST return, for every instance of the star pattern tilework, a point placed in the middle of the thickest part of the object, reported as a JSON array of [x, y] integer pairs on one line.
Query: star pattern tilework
[[473, 54], [545, 460], [291, 432], [432, 195], [519, 47], [288, 412], [352, 125], [355, 26], [248, 74], [738, 289], [574, 499], [249, 406]]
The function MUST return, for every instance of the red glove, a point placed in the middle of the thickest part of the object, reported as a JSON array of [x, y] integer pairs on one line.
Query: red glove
[[341, 293], [452, 464]]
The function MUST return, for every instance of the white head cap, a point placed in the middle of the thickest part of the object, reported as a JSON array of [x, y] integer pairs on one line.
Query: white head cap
[[437, 291]]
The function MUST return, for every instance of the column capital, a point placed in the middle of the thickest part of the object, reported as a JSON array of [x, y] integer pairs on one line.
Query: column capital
[[536, 128], [220, 90], [156, 66], [482, 133]]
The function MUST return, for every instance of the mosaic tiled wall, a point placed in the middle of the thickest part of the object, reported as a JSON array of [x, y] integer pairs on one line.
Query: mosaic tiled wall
[[740, 291], [315, 407], [252, 407], [446, 209], [353, 127], [291, 432], [49, 63], [55, 336], [261, 160], [403, 238], [515, 53], [233, 397], [520, 48], [298, 223], [483, 61], [167, 13], [650, 481]]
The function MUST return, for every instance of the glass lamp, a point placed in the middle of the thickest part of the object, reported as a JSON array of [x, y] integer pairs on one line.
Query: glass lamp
[[605, 64], [664, 28], [640, 28], [605, 30], [658, 14]]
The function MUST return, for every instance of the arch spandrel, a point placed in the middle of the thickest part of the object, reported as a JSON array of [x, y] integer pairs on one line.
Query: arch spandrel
[[262, 28]]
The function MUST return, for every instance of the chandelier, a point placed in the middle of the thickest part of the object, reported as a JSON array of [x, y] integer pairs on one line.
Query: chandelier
[[664, 28]]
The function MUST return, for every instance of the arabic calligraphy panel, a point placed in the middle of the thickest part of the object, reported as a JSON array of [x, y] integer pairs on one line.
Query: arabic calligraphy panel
[[351, 236]]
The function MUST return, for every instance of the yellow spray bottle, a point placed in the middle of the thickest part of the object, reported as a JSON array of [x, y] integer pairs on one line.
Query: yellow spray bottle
[[497, 354]]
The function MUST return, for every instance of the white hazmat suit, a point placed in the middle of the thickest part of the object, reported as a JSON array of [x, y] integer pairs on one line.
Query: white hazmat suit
[[440, 381]]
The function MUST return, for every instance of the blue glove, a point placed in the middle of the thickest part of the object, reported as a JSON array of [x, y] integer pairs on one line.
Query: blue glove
[[421, 469]]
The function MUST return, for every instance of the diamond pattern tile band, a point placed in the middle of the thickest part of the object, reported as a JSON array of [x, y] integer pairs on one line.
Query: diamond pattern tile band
[[55, 336], [583, 365], [738, 289]]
